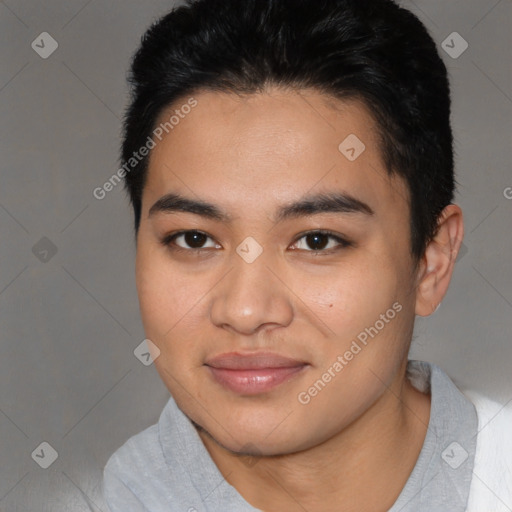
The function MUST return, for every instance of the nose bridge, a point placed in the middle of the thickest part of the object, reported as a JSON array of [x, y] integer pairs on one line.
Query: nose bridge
[[250, 295]]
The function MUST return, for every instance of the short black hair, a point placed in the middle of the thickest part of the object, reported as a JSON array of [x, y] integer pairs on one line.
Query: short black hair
[[370, 50]]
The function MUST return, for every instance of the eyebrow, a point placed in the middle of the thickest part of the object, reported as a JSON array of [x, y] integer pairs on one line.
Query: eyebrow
[[309, 205]]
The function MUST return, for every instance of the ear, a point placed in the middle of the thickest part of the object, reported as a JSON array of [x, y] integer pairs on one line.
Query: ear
[[436, 266]]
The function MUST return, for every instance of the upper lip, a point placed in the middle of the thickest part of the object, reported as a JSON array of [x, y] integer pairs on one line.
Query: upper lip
[[255, 361]]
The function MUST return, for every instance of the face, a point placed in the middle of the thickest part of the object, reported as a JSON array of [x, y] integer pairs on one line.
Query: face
[[274, 269]]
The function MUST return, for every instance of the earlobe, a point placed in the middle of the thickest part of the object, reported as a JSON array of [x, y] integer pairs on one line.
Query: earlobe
[[438, 261]]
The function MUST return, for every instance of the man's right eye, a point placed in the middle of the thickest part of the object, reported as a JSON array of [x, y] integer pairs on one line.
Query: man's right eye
[[189, 241]]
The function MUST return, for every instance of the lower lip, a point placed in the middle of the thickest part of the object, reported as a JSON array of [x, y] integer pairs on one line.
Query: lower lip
[[253, 382]]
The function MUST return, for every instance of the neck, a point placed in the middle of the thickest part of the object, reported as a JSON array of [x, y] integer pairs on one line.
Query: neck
[[362, 468]]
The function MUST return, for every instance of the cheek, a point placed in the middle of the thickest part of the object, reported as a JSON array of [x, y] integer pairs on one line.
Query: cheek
[[169, 303], [168, 297], [349, 297]]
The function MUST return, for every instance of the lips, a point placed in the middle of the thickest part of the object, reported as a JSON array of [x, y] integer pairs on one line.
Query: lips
[[253, 374]]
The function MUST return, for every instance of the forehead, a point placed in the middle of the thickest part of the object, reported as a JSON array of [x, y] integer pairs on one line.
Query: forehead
[[262, 148]]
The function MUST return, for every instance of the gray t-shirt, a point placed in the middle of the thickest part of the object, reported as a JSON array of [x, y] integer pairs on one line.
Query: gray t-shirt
[[166, 468]]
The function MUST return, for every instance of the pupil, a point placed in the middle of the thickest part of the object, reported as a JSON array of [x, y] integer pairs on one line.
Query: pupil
[[195, 240], [315, 241]]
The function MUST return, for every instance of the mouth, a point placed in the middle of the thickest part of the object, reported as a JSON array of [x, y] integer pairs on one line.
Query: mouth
[[253, 374]]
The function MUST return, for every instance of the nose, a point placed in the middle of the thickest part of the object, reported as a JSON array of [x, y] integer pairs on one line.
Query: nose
[[251, 298]]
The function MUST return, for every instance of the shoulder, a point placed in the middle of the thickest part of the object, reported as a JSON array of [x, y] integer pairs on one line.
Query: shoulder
[[491, 485], [144, 473], [149, 471], [136, 452], [133, 471]]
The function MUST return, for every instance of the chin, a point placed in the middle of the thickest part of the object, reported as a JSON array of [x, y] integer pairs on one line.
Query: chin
[[262, 440]]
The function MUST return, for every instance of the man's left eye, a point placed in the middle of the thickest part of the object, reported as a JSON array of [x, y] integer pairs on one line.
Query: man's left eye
[[319, 241]]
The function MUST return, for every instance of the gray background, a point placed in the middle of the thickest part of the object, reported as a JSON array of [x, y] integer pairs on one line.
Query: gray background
[[69, 320]]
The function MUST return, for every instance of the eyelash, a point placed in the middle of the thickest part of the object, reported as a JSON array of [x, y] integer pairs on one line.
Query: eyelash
[[168, 241]]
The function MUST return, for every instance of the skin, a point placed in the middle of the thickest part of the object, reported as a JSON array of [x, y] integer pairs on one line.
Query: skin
[[249, 155]]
